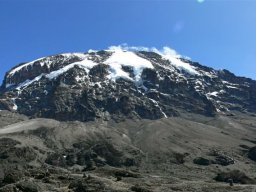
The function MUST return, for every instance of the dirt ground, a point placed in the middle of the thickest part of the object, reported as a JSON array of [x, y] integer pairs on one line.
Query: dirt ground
[[48, 155]]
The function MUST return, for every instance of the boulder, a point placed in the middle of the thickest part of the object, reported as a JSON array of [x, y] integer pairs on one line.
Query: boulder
[[202, 161], [235, 175]]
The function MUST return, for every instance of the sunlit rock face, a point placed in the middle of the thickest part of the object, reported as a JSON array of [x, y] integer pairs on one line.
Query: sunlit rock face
[[120, 83]]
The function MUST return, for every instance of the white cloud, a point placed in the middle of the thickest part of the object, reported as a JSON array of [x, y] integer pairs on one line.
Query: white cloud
[[164, 50]]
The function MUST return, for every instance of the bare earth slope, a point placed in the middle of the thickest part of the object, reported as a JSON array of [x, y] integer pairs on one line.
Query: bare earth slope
[[146, 155]]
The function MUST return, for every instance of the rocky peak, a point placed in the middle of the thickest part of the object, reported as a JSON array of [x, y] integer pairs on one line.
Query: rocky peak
[[119, 83]]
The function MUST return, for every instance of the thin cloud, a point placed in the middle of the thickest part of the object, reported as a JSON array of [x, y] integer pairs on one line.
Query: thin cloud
[[164, 50]]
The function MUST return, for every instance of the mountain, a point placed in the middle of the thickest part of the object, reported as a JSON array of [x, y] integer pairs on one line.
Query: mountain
[[120, 83], [126, 120]]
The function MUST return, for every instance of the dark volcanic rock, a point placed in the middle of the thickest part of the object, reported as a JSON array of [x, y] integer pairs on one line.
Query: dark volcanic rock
[[10, 152], [236, 176], [99, 72], [223, 160], [8, 142], [252, 153], [202, 161], [56, 159], [78, 186], [28, 186], [87, 184], [138, 188], [98, 154], [17, 154], [32, 71], [12, 176], [85, 87]]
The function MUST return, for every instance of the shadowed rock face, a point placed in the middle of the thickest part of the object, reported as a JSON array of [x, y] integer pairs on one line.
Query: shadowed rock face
[[252, 153], [76, 93]]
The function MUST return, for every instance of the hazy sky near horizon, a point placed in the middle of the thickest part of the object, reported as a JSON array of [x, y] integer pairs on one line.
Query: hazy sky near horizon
[[217, 33]]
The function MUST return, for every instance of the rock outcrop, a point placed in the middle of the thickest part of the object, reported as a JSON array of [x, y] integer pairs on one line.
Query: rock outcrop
[[118, 84]]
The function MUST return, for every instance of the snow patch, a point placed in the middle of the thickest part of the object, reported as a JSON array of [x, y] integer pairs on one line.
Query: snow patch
[[24, 66], [231, 87], [92, 51], [28, 82], [9, 85], [121, 58], [167, 53], [199, 83], [14, 107], [211, 74], [44, 61], [79, 78], [85, 64], [215, 93], [228, 83], [157, 105], [174, 58]]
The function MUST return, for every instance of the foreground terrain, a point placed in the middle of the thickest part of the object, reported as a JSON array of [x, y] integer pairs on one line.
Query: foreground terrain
[[187, 153]]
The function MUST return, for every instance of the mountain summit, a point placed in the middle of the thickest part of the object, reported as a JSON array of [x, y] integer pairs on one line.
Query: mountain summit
[[121, 83]]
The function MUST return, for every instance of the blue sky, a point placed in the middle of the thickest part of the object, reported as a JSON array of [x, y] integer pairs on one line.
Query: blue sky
[[216, 33]]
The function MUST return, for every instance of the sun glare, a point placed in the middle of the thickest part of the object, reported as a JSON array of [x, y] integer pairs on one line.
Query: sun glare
[[200, 1]]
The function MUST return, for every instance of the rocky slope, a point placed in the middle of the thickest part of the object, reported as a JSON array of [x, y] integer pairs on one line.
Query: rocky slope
[[123, 120], [189, 153], [119, 84]]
